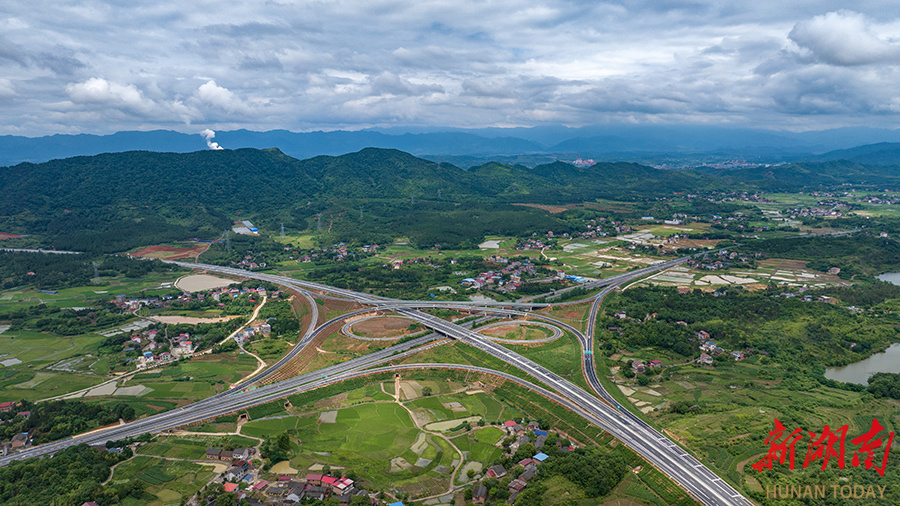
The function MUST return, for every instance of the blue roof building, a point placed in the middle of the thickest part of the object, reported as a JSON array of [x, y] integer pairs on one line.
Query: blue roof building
[[540, 457]]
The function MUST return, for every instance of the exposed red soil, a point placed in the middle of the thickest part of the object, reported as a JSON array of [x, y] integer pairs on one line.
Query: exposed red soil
[[169, 252]]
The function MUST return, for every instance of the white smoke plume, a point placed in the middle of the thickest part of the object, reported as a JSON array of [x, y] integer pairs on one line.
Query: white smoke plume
[[208, 135]]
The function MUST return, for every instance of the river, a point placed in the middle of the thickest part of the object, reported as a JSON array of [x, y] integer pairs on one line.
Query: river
[[859, 372]]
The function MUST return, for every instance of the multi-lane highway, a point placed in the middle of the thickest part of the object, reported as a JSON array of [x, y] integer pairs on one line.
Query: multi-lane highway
[[682, 467]]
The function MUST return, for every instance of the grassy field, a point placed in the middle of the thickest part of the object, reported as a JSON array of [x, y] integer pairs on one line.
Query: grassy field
[[104, 289], [368, 433], [562, 356], [300, 241], [192, 447], [736, 404], [166, 482], [519, 332], [32, 379], [196, 379], [365, 437]]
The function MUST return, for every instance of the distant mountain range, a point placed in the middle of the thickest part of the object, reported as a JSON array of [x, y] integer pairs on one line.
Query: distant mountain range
[[685, 145], [882, 153]]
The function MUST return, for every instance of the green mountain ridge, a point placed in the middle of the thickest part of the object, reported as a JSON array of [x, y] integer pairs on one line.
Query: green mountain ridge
[[122, 200]]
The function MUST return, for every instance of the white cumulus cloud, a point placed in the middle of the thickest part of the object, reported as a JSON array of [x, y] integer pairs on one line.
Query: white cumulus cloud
[[97, 90], [221, 98], [844, 38]]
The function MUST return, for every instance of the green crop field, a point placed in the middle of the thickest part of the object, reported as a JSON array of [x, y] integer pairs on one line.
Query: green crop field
[[482, 404], [197, 378], [192, 447], [39, 348], [84, 296], [433, 406], [271, 427], [489, 435], [166, 481], [364, 437]]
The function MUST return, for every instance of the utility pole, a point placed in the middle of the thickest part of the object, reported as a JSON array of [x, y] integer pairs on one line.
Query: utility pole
[[319, 225], [360, 213], [282, 230], [96, 274], [228, 240], [439, 194]]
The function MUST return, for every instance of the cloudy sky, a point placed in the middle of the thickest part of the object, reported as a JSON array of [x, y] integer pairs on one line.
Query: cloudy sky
[[84, 66]]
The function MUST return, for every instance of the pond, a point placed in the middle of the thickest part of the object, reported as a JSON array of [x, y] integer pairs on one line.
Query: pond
[[859, 372], [890, 277]]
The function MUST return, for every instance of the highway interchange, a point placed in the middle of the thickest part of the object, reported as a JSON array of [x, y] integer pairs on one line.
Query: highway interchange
[[681, 466]]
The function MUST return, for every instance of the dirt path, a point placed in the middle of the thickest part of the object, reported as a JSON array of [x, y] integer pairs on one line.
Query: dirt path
[[462, 457], [197, 256], [262, 363]]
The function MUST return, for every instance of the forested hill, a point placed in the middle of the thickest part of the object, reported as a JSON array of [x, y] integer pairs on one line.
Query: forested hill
[[122, 200], [810, 175], [882, 153]]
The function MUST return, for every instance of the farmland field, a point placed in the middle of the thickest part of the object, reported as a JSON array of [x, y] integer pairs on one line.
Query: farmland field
[[170, 482]]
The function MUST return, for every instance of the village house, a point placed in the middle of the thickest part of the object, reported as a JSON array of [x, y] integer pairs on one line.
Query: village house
[[242, 453], [342, 486], [528, 474], [479, 494], [705, 359], [314, 492], [314, 479], [238, 470], [516, 486], [496, 471], [20, 440]]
